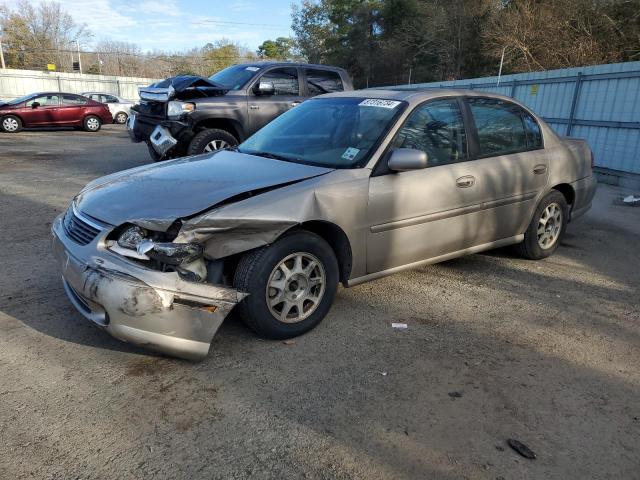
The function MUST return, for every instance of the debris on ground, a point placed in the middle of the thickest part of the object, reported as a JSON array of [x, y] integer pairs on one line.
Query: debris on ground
[[399, 326], [521, 448], [289, 342], [455, 394], [629, 200]]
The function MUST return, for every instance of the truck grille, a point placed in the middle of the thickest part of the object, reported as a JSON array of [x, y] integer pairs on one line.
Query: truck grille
[[77, 229]]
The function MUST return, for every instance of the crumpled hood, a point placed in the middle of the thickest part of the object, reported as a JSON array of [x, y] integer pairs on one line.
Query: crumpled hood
[[186, 87], [158, 194]]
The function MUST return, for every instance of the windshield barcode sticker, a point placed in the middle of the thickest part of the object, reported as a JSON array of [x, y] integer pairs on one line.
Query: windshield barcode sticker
[[378, 102]]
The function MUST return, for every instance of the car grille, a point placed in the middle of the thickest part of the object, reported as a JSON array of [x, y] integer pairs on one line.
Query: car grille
[[77, 229]]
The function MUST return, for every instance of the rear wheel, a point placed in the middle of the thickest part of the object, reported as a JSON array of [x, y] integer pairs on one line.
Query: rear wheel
[[210, 140], [291, 285], [11, 124], [92, 123], [546, 228], [120, 118]]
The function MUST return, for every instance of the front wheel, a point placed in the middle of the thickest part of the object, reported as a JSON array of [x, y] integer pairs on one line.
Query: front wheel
[[546, 228], [92, 123], [11, 124], [210, 140], [291, 285]]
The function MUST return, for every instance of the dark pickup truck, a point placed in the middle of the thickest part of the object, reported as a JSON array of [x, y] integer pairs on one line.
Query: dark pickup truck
[[188, 115]]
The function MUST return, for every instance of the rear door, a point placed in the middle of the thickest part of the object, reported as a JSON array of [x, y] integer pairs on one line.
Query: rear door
[[287, 94], [71, 109], [42, 110], [512, 164]]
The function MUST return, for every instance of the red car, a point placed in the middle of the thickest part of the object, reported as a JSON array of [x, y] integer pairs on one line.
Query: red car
[[53, 109]]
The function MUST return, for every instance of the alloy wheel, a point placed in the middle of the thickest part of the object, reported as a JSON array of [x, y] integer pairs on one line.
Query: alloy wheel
[[214, 145], [549, 226], [296, 287]]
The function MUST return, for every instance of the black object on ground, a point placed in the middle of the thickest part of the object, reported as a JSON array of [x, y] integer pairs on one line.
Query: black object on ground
[[522, 449]]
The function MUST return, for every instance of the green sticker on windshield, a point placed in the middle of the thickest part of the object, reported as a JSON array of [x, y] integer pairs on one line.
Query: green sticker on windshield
[[350, 153]]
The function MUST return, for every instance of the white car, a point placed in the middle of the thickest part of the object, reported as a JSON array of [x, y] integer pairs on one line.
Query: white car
[[118, 106]]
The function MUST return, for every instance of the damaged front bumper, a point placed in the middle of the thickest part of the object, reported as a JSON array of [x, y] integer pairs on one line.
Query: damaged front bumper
[[156, 310]]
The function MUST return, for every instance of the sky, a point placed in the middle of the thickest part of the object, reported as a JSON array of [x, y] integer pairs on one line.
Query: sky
[[176, 25]]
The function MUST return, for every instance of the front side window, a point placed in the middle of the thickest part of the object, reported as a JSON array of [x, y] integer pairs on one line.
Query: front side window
[[327, 132], [436, 128], [323, 81], [45, 101], [285, 81], [73, 100], [500, 126]]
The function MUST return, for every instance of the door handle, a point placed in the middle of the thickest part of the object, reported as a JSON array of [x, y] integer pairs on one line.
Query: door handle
[[254, 107], [466, 181], [539, 169]]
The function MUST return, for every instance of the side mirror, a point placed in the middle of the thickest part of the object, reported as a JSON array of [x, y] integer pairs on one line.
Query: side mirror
[[405, 159], [264, 88], [35, 104]]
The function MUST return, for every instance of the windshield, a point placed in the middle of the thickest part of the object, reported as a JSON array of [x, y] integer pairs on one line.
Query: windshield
[[235, 77], [329, 132], [16, 101]]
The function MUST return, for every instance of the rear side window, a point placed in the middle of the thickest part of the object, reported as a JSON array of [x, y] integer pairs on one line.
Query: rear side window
[[285, 81], [323, 81], [110, 99], [500, 126], [73, 100], [436, 128], [532, 129]]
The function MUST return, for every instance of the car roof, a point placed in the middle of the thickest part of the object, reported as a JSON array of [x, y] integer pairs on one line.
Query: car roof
[[414, 95], [291, 64]]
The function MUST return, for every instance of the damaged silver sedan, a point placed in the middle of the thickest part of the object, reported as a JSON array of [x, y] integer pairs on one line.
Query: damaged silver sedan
[[344, 188]]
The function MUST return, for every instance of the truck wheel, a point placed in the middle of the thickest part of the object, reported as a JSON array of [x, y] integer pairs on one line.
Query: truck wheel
[[210, 140], [92, 123], [11, 124], [546, 228], [291, 285]]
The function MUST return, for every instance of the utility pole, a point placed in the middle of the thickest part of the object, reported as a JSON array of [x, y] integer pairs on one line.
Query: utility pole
[[501, 63], [79, 58], [2, 56]]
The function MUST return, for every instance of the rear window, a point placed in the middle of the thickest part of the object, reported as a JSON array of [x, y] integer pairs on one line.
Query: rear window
[[323, 81]]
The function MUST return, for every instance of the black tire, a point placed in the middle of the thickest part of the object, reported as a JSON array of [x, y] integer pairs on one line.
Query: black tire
[[530, 247], [199, 143], [120, 118], [13, 124], [255, 269], [91, 123]]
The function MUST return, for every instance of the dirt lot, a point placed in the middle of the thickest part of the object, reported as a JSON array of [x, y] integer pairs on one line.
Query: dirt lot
[[497, 347]]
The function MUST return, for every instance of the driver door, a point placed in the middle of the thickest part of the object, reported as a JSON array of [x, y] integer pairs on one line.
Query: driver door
[[287, 94], [46, 113], [421, 214]]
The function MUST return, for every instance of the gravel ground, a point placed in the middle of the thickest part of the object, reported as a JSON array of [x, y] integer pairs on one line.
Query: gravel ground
[[496, 347]]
